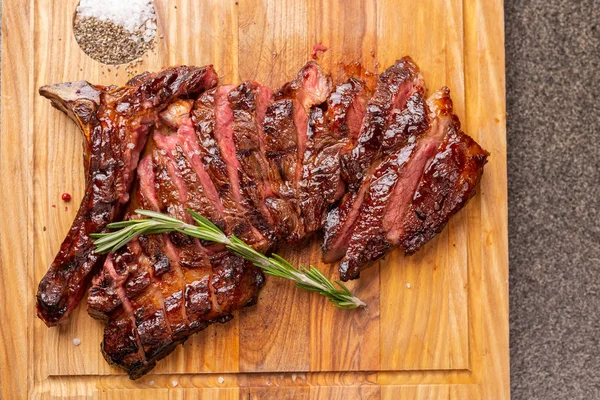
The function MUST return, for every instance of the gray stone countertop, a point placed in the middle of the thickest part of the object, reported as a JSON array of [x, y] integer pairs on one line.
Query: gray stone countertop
[[553, 84]]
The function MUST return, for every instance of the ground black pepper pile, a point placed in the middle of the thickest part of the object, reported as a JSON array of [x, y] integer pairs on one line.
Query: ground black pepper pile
[[115, 31], [109, 43]]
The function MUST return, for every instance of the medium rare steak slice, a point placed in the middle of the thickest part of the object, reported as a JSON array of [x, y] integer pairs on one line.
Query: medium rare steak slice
[[395, 87], [115, 122], [417, 138], [329, 135], [285, 129], [394, 210], [209, 151], [448, 183]]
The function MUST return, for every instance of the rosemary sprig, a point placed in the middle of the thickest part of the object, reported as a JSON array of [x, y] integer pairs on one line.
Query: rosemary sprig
[[305, 278]]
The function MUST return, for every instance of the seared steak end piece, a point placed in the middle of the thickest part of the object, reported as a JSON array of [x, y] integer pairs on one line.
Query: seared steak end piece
[[115, 123], [411, 194]]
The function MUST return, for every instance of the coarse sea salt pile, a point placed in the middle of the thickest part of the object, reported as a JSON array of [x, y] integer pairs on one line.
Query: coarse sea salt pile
[[133, 15], [115, 31]]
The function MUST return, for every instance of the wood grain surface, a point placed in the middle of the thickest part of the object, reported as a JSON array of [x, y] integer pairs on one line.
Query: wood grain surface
[[436, 326]]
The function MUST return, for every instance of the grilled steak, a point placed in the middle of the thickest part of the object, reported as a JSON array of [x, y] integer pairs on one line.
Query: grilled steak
[[285, 129], [209, 151], [392, 183], [394, 88], [435, 163], [269, 167], [331, 133], [115, 123], [159, 289], [249, 102]]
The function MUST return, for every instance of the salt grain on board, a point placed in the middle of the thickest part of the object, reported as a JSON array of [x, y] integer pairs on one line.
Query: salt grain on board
[[76, 341]]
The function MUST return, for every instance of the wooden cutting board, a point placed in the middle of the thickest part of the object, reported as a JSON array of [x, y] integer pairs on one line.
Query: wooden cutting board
[[437, 322]]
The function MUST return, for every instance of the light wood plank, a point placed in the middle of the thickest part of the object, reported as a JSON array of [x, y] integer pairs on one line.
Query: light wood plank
[[268, 393], [343, 393], [16, 215], [274, 335], [445, 336], [59, 169], [342, 340], [425, 392], [273, 40], [484, 32], [217, 348], [423, 297]]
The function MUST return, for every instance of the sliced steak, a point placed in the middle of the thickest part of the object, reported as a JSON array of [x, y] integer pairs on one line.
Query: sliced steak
[[329, 135], [448, 183], [390, 183], [211, 114], [393, 201], [264, 167], [286, 130], [171, 287], [115, 123], [395, 86], [249, 102]]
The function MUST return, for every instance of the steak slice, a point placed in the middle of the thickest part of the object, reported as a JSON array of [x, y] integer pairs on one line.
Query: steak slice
[[395, 87], [115, 123], [400, 203], [211, 112], [171, 286], [285, 130], [329, 135], [249, 102], [448, 183]]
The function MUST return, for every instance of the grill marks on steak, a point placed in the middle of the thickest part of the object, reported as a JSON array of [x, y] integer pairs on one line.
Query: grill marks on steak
[[447, 184], [395, 86], [286, 130], [115, 123], [330, 130], [249, 102], [177, 287], [391, 184], [265, 167], [208, 150], [411, 184]]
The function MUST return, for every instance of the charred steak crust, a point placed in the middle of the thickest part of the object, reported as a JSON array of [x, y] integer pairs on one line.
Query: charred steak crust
[[248, 101], [210, 153], [173, 287], [115, 122], [394, 88], [405, 202], [331, 129], [286, 135], [374, 171]]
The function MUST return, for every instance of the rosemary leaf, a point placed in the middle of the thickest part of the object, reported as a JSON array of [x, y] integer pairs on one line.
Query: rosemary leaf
[[310, 279]]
